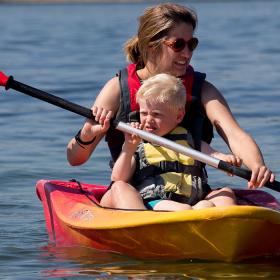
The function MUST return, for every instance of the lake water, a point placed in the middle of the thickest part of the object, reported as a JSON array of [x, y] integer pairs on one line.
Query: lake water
[[70, 51]]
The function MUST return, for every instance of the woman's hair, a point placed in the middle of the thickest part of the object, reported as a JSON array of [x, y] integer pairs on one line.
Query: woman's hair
[[155, 23], [163, 88]]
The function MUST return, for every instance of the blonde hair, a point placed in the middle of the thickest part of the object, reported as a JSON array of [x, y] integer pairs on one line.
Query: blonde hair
[[163, 88], [155, 24]]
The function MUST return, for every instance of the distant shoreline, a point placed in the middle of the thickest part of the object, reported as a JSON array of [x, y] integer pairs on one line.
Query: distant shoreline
[[70, 1]]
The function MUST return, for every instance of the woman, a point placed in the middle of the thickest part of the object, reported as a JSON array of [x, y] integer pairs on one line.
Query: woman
[[164, 44]]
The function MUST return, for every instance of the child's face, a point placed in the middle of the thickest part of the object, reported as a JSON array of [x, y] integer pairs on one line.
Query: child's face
[[159, 118]]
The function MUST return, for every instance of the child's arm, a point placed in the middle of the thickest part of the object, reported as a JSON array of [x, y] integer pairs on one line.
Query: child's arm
[[125, 165], [230, 158]]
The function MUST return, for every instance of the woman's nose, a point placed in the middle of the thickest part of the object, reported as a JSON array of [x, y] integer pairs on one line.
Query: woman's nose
[[186, 52]]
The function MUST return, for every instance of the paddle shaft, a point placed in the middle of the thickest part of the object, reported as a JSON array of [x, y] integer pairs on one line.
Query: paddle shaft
[[214, 162], [85, 112], [52, 99]]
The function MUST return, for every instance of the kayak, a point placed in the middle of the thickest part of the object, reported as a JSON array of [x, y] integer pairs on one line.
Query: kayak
[[75, 218]]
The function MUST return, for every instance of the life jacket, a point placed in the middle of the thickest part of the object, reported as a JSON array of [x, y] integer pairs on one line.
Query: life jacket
[[195, 119], [161, 171]]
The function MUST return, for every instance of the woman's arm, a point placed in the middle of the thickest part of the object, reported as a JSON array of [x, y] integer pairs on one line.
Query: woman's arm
[[104, 108], [239, 142]]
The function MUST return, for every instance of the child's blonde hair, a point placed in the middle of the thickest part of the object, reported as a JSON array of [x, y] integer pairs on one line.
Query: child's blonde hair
[[163, 88]]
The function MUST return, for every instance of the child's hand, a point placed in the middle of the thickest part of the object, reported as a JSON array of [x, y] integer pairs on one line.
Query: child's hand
[[132, 140]]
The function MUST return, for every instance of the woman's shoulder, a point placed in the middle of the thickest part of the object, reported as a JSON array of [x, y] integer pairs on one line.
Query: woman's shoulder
[[109, 95], [111, 86], [209, 91], [113, 81]]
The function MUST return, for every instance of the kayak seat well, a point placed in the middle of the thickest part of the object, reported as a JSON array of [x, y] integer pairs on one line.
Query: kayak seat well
[[256, 198]]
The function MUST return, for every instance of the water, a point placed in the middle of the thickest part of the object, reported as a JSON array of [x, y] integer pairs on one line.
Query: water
[[70, 51]]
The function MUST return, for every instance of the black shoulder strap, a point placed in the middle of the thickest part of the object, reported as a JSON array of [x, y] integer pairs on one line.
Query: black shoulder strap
[[206, 127], [195, 119], [199, 79], [197, 126], [114, 137], [124, 107]]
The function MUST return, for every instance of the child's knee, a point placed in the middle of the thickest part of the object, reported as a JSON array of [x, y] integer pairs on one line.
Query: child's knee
[[118, 187], [169, 205], [225, 192], [228, 190], [204, 204]]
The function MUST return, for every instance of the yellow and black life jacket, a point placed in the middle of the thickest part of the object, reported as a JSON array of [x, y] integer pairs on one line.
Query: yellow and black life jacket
[[161, 171]]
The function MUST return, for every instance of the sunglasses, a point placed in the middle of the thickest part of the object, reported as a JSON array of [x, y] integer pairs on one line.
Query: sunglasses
[[179, 44]]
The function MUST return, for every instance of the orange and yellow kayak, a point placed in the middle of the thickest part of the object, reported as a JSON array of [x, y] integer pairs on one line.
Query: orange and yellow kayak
[[75, 218]]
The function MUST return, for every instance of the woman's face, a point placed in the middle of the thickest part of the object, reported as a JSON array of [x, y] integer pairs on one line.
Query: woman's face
[[170, 61]]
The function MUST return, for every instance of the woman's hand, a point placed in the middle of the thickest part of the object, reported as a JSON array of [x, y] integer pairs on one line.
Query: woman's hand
[[101, 124], [105, 107], [102, 117], [260, 175], [230, 158]]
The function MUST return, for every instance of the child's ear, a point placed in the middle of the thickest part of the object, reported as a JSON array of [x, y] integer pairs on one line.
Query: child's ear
[[180, 114]]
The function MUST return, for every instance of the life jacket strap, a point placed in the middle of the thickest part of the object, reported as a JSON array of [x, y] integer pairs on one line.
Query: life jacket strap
[[124, 107], [165, 167]]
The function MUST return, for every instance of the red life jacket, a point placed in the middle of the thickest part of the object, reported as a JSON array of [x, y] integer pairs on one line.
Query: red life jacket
[[195, 119], [134, 84]]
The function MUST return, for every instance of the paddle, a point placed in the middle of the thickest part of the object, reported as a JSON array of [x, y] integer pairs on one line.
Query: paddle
[[9, 82]]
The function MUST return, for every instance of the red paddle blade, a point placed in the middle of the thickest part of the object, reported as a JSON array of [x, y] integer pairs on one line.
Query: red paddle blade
[[3, 79]]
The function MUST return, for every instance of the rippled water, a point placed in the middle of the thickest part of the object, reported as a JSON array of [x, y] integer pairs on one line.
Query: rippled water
[[70, 51]]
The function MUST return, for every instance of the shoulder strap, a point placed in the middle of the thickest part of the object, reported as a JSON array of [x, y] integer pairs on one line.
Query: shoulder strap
[[199, 79], [206, 131], [197, 126], [124, 107], [114, 137], [196, 120]]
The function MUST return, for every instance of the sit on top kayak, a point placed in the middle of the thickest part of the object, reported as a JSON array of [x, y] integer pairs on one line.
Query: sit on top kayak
[[75, 218]]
